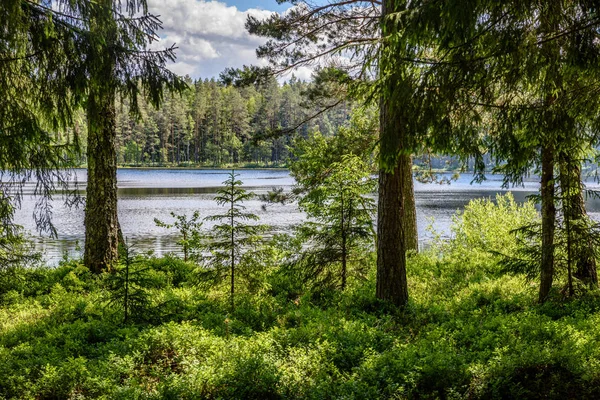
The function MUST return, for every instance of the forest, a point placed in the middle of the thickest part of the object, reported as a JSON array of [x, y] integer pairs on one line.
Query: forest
[[212, 124], [349, 303]]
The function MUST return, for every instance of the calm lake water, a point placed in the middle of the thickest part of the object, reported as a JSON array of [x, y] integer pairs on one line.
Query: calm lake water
[[145, 194]]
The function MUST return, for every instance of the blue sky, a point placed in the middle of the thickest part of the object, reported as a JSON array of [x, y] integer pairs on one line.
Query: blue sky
[[271, 5]]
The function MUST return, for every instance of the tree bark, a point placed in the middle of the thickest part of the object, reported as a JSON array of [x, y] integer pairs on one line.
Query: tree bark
[[101, 221], [411, 235], [391, 250], [232, 246], [575, 214], [391, 284], [344, 244], [548, 222]]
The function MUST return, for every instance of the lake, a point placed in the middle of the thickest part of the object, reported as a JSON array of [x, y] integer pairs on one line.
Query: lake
[[145, 194]]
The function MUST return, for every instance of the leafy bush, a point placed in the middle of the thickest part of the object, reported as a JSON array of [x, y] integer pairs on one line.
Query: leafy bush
[[489, 226], [190, 230]]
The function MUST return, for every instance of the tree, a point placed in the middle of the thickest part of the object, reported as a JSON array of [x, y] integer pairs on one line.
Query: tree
[[101, 220], [39, 60], [353, 30], [127, 286], [62, 56], [229, 240], [342, 228], [515, 78], [313, 156], [580, 228], [117, 62]]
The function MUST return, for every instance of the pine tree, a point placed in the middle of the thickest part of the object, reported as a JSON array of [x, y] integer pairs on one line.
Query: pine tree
[[325, 33]]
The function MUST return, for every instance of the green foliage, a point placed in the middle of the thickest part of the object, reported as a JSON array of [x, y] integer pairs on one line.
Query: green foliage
[[491, 226], [313, 155], [127, 287], [340, 234], [469, 331], [232, 242], [189, 229], [572, 238], [15, 249], [464, 335], [334, 188]]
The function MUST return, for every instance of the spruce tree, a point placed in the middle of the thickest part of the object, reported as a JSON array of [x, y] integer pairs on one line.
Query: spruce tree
[[514, 78], [118, 62], [39, 62], [232, 236], [340, 231], [63, 56]]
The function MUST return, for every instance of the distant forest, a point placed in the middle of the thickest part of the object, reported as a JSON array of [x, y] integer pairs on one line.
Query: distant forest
[[213, 124]]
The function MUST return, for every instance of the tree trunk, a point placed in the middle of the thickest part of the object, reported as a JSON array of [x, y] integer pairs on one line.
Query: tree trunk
[[391, 250], [232, 247], [344, 244], [101, 221], [394, 160], [411, 235], [391, 243], [548, 222], [576, 216]]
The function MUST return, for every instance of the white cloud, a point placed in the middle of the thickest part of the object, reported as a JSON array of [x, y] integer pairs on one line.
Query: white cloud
[[210, 35], [303, 73], [183, 68]]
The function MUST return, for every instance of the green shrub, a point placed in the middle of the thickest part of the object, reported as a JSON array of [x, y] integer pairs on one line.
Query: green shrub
[[469, 331]]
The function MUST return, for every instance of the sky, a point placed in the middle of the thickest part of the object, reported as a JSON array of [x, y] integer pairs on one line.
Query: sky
[[210, 34], [264, 4]]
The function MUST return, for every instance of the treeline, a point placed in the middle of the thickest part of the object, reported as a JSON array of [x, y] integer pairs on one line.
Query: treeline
[[213, 124]]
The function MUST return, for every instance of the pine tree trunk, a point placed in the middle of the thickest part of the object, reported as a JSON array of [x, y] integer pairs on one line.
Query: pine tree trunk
[[411, 235], [575, 213], [391, 250], [548, 222], [101, 221], [391, 243], [344, 244], [232, 248]]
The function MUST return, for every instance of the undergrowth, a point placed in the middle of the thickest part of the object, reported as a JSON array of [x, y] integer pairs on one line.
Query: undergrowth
[[470, 331]]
